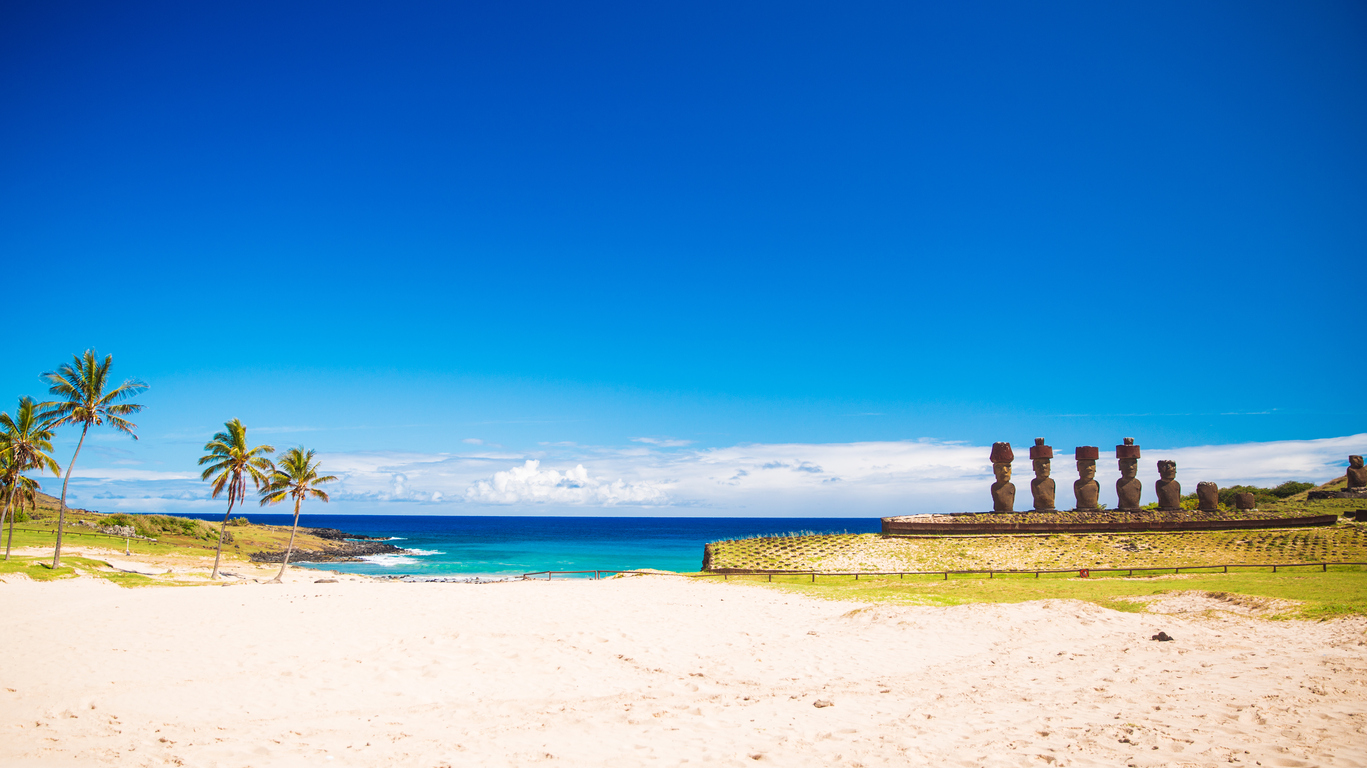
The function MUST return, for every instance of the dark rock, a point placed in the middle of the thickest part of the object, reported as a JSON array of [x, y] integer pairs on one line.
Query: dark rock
[[1042, 487], [1086, 489], [1162, 637], [1169, 490], [1357, 474], [1128, 488], [822, 704], [1245, 501], [325, 581], [1003, 491], [344, 552], [332, 534], [1207, 497]]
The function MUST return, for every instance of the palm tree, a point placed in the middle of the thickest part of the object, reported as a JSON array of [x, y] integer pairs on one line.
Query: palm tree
[[232, 464], [22, 489], [294, 477], [81, 386], [23, 445]]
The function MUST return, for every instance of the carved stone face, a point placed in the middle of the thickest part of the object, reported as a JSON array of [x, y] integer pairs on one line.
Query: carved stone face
[[1086, 470], [1355, 462], [1129, 468], [1167, 470], [1041, 468], [1002, 471]]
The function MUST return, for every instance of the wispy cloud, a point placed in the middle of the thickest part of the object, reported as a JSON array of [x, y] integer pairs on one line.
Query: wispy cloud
[[663, 442], [124, 474], [790, 479], [284, 430]]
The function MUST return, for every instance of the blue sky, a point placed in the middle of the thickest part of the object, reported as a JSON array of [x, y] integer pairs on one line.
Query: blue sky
[[386, 230]]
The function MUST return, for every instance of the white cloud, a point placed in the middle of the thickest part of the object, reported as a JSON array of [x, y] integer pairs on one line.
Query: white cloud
[[867, 479], [125, 474], [663, 442], [530, 483]]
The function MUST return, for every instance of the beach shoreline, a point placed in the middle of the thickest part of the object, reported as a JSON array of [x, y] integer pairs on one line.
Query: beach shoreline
[[657, 670]]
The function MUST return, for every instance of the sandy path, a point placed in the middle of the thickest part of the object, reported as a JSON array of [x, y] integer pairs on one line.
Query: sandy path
[[654, 671]]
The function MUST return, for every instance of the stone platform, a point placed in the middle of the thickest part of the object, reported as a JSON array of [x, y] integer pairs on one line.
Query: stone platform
[[1107, 521], [1320, 495]]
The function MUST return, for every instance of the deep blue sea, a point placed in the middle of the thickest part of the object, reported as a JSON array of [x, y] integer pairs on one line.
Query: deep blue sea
[[439, 546]]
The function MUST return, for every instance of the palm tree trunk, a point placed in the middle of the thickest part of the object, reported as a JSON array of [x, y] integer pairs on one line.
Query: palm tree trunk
[[232, 497], [9, 504], [290, 548], [61, 512]]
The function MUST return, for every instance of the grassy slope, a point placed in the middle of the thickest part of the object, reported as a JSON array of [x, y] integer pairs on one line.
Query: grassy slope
[[40, 569], [40, 531], [1341, 591], [872, 552]]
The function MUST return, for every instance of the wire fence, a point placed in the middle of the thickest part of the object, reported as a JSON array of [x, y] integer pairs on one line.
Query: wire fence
[[72, 532], [990, 573]]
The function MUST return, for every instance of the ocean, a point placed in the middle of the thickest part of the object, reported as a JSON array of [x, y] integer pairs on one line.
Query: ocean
[[501, 546]]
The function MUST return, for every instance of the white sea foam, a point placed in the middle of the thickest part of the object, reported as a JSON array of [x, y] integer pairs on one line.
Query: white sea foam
[[423, 552], [389, 561]]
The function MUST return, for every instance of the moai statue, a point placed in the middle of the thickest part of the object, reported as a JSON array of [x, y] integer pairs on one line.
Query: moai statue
[[1086, 489], [1169, 490], [1357, 474], [1208, 497], [1003, 492], [1042, 487], [1128, 487], [1245, 501]]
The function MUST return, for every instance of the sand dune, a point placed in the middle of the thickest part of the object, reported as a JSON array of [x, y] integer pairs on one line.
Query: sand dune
[[654, 671]]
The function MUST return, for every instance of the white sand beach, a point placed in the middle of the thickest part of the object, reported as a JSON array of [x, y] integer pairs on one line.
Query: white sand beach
[[654, 671]]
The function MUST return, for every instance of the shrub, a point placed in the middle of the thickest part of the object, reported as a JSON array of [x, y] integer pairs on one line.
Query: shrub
[[1260, 495], [1291, 488], [156, 526], [239, 521]]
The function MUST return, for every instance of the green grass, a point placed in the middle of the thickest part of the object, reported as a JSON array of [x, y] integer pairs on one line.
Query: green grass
[[1339, 592], [1345, 542], [39, 569], [41, 532], [36, 569]]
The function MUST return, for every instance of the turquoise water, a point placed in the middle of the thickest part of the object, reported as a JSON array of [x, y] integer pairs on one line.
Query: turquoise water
[[443, 546]]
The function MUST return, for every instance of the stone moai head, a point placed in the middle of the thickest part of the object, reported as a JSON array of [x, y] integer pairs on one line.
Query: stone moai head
[[1207, 497], [1355, 462], [1041, 456], [1086, 456], [1127, 456], [1002, 457], [1245, 501], [1167, 470]]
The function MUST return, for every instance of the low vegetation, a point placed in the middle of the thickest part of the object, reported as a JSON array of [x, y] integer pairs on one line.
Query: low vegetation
[[1297, 593], [164, 534], [1344, 542]]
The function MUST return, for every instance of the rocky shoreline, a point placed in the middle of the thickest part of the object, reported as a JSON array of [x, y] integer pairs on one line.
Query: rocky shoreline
[[349, 548]]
